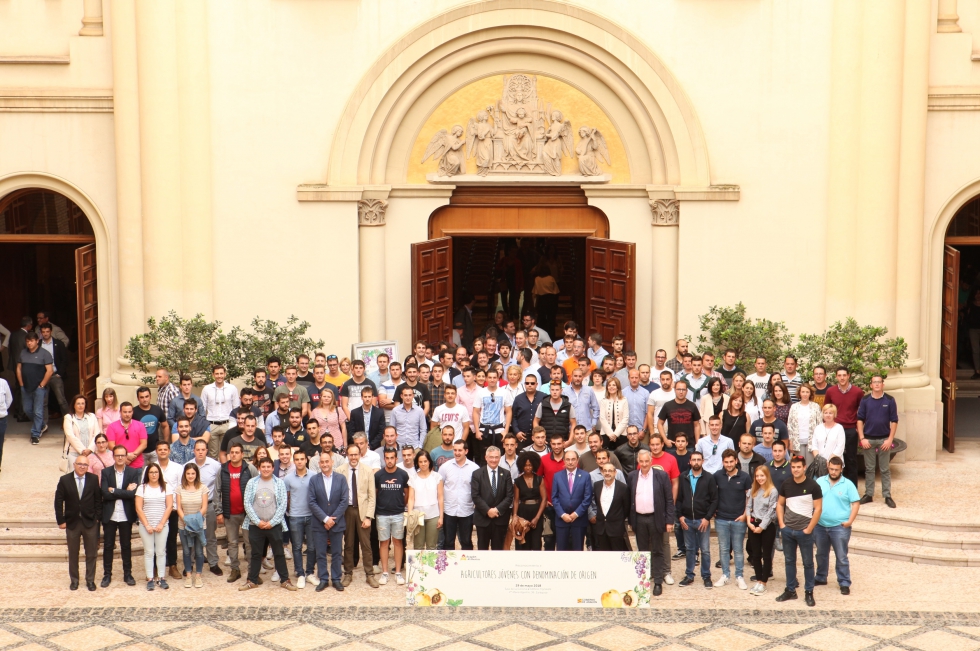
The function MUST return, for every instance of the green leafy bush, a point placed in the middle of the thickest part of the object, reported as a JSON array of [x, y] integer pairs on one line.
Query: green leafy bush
[[193, 346], [729, 327]]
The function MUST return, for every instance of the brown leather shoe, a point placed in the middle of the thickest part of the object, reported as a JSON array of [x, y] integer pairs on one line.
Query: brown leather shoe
[[288, 585], [235, 575], [345, 580], [372, 581], [175, 573]]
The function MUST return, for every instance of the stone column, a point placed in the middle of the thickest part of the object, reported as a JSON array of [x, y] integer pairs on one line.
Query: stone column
[[126, 122], [163, 237], [911, 191], [845, 84], [91, 18], [879, 138], [666, 221], [371, 263], [194, 106], [948, 20]]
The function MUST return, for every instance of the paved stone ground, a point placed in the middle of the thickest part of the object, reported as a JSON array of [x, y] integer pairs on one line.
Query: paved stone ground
[[307, 628]]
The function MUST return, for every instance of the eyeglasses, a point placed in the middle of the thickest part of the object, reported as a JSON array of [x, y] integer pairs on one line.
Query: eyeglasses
[[714, 450], [120, 456]]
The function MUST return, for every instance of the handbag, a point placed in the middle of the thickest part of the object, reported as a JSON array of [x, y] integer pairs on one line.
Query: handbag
[[63, 463], [521, 527]]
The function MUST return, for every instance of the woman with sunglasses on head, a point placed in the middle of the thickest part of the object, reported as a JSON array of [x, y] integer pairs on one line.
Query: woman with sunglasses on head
[[154, 502], [108, 413], [80, 427], [101, 456]]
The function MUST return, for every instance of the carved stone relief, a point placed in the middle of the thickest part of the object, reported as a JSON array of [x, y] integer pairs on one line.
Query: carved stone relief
[[666, 212], [371, 212]]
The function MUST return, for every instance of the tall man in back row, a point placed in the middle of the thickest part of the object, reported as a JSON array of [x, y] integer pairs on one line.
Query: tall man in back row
[[877, 422]]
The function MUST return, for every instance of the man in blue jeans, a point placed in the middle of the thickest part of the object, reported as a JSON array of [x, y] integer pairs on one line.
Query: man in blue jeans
[[840, 508], [798, 511], [35, 366], [299, 517], [697, 501], [730, 518]]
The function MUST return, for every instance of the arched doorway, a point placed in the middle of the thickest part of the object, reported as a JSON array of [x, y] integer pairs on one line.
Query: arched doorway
[[470, 237], [47, 258]]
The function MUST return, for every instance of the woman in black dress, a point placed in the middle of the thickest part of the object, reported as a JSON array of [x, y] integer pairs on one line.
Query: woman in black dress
[[529, 500]]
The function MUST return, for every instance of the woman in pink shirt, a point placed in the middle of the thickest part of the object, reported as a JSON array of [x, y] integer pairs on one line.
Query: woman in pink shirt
[[109, 412], [332, 420]]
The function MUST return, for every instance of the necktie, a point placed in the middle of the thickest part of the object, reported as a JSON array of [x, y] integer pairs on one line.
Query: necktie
[[493, 482], [353, 480], [571, 481], [78, 481]]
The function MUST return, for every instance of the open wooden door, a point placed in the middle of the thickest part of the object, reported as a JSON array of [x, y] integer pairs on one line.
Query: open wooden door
[[947, 365], [88, 321], [610, 288], [432, 290]]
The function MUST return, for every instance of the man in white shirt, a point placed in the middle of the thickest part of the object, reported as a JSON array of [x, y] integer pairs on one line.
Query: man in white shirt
[[452, 414], [509, 459], [386, 390], [368, 456], [659, 398], [218, 399], [209, 469], [696, 380], [491, 415], [760, 379], [467, 394], [660, 365], [579, 440], [505, 351], [712, 446], [791, 378], [458, 507]]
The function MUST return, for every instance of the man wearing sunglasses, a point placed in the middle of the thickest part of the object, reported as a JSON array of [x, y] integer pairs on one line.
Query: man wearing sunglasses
[[334, 376], [492, 416], [523, 410], [128, 433], [713, 446]]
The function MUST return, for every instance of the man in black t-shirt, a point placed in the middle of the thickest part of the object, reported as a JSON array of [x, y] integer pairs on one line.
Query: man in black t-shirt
[[798, 511], [391, 493], [155, 422], [303, 376], [679, 415], [681, 452], [350, 392], [262, 391], [779, 428], [422, 397]]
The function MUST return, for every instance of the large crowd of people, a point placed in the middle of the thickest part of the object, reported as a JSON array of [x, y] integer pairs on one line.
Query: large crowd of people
[[537, 445]]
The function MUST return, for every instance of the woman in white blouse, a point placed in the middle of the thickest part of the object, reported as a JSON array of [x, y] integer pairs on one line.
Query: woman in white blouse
[[80, 428], [425, 493], [804, 416], [614, 415], [713, 403], [828, 436], [753, 410]]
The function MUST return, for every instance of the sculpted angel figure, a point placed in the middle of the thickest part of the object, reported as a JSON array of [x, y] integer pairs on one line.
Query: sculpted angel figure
[[557, 143], [518, 131], [591, 147], [479, 132], [446, 148]]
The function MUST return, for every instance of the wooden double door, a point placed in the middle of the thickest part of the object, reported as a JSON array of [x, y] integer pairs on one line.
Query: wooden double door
[[610, 266]]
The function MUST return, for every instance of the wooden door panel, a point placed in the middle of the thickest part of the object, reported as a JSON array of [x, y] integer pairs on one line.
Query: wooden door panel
[[610, 269], [947, 366], [88, 321], [432, 290]]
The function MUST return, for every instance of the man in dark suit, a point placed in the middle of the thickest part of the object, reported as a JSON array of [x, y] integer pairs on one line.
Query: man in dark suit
[[367, 418], [463, 320], [328, 496], [571, 495], [651, 513], [611, 503], [77, 508], [493, 497], [118, 514], [18, 342]]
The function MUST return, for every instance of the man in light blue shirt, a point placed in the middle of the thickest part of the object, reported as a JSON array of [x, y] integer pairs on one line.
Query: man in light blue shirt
[[596, 353], [298, 518], [840, 508], [408, 419], [584, 401], [636, 396]]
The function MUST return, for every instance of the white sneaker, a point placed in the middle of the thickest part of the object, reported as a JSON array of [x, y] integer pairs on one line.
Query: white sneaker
[[723, 581], [383, 579], [268, 554], [275, 577], [289, 554], [399, 579], [377, 570], [740, 582], [228, 560], [758, 590], [301, 582], [668, 579], [267, 564]]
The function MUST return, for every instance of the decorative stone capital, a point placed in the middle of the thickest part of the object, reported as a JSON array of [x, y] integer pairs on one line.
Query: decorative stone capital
[[371, 212], [666, 212]]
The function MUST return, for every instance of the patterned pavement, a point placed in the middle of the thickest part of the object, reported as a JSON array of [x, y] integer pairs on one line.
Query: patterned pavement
[[471, 629]]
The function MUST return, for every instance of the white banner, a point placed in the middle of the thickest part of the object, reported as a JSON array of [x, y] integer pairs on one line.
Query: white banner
[[528, 579]]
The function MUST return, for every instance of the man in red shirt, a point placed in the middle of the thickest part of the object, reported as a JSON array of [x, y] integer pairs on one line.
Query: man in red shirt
[[550, 464], [667, 463], [235, 475], [847, 398]]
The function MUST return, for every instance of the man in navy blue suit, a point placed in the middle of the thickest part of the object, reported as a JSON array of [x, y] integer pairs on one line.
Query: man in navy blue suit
[[329, 496], [571, 494]]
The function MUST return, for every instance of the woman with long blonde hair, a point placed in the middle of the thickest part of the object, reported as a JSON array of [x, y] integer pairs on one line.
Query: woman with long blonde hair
[[108, 413], [760, 515]]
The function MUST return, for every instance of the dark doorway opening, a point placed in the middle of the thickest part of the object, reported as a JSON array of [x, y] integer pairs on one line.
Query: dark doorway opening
[[481, 267]]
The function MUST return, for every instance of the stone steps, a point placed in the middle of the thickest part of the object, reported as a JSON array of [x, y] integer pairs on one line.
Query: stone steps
[[907, 535], [912, 553], [891, 516], [894, 535]]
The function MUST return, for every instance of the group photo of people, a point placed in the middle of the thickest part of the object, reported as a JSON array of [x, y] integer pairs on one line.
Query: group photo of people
[[322, 471]]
